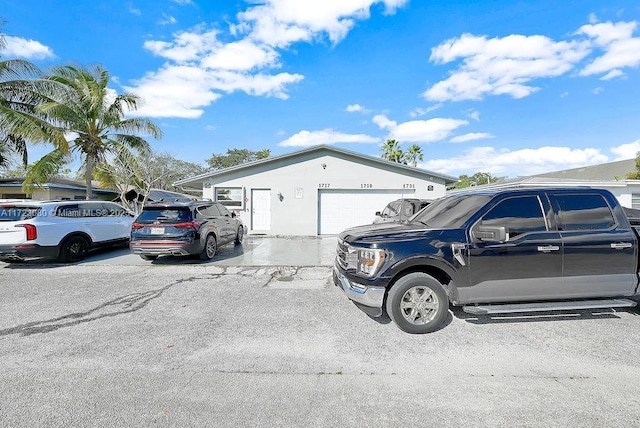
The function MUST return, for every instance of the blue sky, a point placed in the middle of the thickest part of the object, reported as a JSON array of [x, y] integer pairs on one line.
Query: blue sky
[[508, 87]]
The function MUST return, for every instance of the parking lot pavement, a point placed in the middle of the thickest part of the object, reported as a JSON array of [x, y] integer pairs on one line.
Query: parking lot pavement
[[228, 346], [254, 251]]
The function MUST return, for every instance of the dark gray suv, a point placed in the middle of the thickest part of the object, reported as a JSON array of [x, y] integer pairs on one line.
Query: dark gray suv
[[184, 228], [401, 210]]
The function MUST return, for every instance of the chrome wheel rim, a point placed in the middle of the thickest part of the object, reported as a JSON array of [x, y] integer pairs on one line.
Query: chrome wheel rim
[[211, 246], [419, 305]]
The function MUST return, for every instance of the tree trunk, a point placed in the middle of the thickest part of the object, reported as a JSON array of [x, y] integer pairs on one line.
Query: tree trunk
[[88, 174]]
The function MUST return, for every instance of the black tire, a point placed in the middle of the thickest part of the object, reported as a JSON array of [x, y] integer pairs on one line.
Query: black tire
[[73, 249], [239, 235], [210, 248], [147, 257], [417, 303]]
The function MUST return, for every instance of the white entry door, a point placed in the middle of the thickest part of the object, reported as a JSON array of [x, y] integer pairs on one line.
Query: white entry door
[[261, 209]]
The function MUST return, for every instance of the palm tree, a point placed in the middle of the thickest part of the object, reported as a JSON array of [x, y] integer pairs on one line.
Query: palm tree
[[413, 155], [81, 107], [17, 96], [391, 151]]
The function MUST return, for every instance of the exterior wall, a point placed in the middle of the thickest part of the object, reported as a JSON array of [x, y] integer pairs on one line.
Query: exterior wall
[[299, 180], [47, 194]]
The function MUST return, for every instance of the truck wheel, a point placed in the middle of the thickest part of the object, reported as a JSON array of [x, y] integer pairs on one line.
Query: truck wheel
[[73, 249], [210, 248], [417, 303]]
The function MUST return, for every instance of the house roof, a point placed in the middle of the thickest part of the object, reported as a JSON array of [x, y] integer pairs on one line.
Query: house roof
[[54, 183], [607, 171], [198, 179]]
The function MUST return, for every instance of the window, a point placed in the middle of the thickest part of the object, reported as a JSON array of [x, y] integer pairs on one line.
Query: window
[[207, 211], [92, 209], [518, 215], [584, 212], [230, 196], [223, 210], [392, 210], [178, 215]]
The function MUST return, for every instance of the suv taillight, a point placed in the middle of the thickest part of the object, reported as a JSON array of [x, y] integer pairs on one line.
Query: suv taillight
[[137, 225], [32, 232], [187, 225]]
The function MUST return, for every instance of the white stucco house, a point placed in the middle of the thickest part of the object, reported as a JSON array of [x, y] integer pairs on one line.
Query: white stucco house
[[610, 176], [316, 191]]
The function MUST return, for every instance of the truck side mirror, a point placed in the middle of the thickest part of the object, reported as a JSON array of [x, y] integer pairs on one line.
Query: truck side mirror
[[490, 233], [378, 214]]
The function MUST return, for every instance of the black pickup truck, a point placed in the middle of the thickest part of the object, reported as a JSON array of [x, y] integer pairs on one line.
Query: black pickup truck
[[503, 251]]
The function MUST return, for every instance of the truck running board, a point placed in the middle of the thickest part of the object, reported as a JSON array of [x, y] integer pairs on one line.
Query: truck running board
[[548, 306]]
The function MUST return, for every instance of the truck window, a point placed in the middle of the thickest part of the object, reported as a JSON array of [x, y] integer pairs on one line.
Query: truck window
[[584, 212], [519, 215], [450, 211]]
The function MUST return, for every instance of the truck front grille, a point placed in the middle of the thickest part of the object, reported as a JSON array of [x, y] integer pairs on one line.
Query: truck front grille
[[346, 255]]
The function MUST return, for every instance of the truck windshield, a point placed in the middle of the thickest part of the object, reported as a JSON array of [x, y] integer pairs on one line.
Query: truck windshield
[[451, 211]]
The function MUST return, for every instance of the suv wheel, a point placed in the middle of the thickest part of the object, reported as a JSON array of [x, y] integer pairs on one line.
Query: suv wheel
[[210, 247], [417, 303], [239, 235], [73, 249]]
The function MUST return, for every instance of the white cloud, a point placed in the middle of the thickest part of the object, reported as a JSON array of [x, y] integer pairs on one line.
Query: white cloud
[[167, 19], [475, 115], [183, 2], [514, 163], [282, 22], [326, 136], [241, 55], [612, 74], [424, 111], [174, 91], [182, 91], [597, 90], [419, 131], [626, 151], [245, 63], [133, 10], [621, 48], [471, 137], [28, 49], [501, 65], [352, 108]]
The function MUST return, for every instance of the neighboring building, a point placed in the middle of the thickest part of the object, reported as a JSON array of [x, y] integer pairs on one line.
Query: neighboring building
[[54, 189], [610, 176], [317, 191]]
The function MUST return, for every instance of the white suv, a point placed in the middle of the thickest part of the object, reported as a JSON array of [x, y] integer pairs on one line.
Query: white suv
[[65, 230]]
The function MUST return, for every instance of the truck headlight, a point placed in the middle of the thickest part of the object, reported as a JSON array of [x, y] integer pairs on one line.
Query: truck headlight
[[369, 261]]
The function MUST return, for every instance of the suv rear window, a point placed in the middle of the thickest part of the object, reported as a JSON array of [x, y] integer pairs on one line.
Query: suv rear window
[[165, 215], [17, 213]]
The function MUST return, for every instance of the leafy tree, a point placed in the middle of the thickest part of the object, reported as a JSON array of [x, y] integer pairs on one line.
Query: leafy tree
[[80, 105], [636, 174], [236, 157], [413, 155], [392, 151], [476, 179], [144, 170]]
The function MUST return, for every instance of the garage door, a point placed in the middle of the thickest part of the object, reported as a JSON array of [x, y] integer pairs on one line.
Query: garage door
[[341, 209]]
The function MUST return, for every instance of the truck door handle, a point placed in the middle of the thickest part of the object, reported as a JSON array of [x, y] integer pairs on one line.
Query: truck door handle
[[548, 248], [621, 245]]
